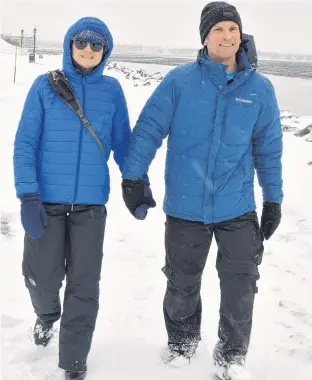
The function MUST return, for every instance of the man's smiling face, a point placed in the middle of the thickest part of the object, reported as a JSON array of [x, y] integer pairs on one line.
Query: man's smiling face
[[223, 40]]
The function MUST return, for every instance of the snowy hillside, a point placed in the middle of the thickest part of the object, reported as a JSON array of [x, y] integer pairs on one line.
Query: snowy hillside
[[130, 330]]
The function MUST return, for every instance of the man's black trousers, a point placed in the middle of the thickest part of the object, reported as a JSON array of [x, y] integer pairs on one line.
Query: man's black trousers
[[240, 251]]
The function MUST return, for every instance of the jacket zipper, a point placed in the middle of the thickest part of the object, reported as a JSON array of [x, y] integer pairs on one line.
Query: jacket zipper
[[214, 169], [80, 143], [215, 163]]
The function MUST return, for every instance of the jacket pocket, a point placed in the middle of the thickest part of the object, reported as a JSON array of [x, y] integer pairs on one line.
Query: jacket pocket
[[98, 212], [239, 123]]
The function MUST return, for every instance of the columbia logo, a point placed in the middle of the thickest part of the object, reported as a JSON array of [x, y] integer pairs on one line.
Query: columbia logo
[[243, 100]]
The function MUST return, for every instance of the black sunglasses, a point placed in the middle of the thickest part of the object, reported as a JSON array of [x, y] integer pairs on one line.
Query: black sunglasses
[[95, 46]]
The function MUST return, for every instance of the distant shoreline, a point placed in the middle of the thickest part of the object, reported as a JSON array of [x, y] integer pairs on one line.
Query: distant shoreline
[[275, 65], [292, 69]]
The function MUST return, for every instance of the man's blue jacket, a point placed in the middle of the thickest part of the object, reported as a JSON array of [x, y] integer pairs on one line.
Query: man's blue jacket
[[219, 133]]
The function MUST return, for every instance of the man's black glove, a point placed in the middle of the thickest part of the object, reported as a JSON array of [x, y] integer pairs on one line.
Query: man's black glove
[[270, 218], [137, 196]]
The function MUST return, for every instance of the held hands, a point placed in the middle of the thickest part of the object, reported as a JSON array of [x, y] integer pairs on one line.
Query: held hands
[[138, 197]]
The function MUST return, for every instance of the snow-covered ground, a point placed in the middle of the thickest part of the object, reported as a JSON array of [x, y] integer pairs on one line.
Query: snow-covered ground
[[6, 49], [130, 331]]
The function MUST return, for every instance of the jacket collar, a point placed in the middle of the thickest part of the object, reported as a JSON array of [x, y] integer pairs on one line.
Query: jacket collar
[[217, 71], [241, 59]]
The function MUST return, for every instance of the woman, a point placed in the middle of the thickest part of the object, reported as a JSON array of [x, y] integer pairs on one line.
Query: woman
[[62, 180]]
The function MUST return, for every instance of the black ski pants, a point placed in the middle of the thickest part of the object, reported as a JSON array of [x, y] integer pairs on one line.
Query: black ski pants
[[71, 246], [240, 250]]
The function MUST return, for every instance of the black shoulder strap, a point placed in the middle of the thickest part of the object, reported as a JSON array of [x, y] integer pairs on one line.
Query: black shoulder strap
[[63, 89]]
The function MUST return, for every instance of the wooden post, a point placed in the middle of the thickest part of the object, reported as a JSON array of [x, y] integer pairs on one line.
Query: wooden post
[[15, 61]]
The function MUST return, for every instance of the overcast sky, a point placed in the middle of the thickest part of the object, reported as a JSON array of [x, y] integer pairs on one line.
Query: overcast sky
[[277, 25]]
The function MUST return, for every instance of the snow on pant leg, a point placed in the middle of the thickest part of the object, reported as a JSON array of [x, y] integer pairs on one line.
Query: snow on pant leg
[[187, 245], [86, 226], [44, 264], [240, 251]]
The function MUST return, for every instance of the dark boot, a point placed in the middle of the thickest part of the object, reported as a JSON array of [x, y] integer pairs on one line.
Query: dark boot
[[222, 360], [71, 375], [229, 368], [173, 351], [42, 333]]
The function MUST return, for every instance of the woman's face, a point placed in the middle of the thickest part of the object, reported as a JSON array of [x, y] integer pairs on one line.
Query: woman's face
[[85, 56]]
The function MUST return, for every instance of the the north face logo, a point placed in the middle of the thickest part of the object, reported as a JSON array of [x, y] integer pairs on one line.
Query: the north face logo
[[243, 100]]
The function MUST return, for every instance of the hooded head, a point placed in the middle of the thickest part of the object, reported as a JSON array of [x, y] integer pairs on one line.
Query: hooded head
[[91, 30]]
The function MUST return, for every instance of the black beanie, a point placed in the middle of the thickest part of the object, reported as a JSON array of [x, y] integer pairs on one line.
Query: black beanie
[[215, 12]]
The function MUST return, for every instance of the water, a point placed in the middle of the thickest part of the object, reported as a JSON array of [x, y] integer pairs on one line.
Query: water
[[293, 94], [293, 69]]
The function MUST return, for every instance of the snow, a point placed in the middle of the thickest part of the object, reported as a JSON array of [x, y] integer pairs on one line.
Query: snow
[[130, 331], [6, 48]]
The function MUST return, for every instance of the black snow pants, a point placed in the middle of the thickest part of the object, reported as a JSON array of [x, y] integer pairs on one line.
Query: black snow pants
[[71, 246], [240, 251]]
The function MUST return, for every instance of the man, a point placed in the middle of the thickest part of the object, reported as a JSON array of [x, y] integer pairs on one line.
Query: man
[[62, 180], [223, 123]]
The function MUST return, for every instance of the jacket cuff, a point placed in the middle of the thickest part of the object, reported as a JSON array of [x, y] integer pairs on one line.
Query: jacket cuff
[[30, 197]]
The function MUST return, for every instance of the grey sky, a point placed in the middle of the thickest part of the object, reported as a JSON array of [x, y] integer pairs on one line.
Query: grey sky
[[280, 26]]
